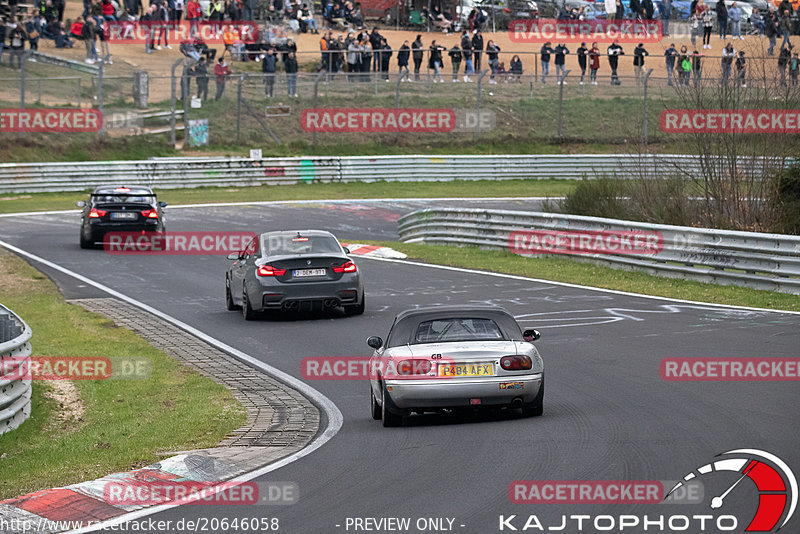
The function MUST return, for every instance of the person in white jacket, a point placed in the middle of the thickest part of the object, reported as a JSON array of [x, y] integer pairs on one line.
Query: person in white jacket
[[611, 9]]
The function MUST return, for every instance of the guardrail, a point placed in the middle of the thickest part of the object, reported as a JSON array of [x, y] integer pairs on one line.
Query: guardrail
[[197, 172], [756, 260], [15, 385]]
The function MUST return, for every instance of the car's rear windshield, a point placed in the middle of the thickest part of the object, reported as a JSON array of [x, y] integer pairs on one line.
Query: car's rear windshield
[[291, 244], [117, 198], [457, 329]]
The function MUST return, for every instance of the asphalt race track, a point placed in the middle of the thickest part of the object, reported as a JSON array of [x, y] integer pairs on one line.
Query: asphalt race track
[[608, 414]]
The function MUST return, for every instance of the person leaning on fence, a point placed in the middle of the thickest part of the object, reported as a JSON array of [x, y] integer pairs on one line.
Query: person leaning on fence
[[353, 60], [697, 67], [639, 54], [669, 60], [516, 69], [582, 55], [741, 69], [594, 63], [466, 53], [614, 51], [221, 73], [416, 55], [544, 55], [477, 47], [435, 61], [402, 59], [290, 66], [560, 52], [492, 51], [728, 55], [199, 72], [269, 66], [455, 60], [684, 66], [385, 57]]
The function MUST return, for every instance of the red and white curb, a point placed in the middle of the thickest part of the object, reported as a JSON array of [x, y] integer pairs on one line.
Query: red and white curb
[[53, 510], [373, 251]]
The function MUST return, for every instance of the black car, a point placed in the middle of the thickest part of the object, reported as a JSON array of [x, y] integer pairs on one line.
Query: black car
[[119, 209]]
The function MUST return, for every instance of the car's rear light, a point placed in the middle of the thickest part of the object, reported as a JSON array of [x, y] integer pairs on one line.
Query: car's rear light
[[269, 270], [96, 213], [122, 190], [516, 363], [346, 267], [413, 367], [150, 214]]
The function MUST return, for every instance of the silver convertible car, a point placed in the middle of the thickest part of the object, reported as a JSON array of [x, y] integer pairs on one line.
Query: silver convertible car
[[454, 357], [305, 270]]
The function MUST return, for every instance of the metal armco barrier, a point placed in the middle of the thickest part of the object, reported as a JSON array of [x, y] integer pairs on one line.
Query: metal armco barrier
[[197, 172], [756, 260], [15, 385]]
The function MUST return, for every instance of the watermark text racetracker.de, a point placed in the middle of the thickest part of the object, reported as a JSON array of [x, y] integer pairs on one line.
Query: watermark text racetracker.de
[[74, 368], [730, 369], [630, 242], [730, 121], [396, 120], [579, 31], [177, 243], [50, 120]]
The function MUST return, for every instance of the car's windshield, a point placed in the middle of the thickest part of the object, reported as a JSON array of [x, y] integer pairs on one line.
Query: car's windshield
[[117, 198], [290, 244], [457, 329]]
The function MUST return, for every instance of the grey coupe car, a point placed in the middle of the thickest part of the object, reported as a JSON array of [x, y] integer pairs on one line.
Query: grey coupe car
[[297, 270], [447, 358]]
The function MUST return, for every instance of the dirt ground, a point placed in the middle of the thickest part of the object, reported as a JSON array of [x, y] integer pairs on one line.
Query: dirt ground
[[129, 57]]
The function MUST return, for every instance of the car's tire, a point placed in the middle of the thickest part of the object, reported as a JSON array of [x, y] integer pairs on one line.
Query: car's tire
[[247, 311], [374, 406], [535, 407], [85, 243], [229, 305], [388, 418], [357, 309]]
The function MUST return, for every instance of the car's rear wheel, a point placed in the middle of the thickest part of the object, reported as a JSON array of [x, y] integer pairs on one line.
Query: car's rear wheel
[[535, 407], [357, 309], [86, 243], [247, 312], [389, 419], [374, 406], [229, 304]]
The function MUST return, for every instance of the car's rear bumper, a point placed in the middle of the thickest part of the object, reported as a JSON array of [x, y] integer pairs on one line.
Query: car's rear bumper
[[463, 392], [312, 296], [98, 230]]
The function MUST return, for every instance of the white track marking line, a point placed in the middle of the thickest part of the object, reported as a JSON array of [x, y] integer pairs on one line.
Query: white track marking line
[[334, 416]]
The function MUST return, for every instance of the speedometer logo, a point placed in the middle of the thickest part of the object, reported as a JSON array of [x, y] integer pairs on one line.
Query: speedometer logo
[[776, 484]]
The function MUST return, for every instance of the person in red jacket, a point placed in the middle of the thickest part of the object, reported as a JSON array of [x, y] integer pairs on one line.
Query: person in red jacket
[[108, 10], [221, 73], [594, 63], [193, 15]]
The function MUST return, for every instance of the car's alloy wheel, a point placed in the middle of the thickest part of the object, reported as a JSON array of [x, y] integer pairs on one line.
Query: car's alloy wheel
[[357, 309], [373, 404], [247, 311], [389, 419], [229, 304]]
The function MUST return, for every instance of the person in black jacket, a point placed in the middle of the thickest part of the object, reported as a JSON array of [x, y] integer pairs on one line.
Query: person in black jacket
[[491, 52], [771, 29], [582, 56], [200, 73], [17, 41], [416, 53], [544, 55], [639, 54], [648, 9], [268, 69], [402, 58], [477, 47], [455, 60], [614, 51], [783, 60], [636, 9], [435, 61], [466, 53], [386, 55], [722, 19], [290, 66], [2, 38], [560, 51]]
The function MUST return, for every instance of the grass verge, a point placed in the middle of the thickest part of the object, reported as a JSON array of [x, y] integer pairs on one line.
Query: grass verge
[[575, 272], [85, 429], [315, 191]]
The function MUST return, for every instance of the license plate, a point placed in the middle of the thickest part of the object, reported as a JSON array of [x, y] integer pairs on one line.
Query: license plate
[[466, 369], [309, 272], [128, 216], [523, 14]]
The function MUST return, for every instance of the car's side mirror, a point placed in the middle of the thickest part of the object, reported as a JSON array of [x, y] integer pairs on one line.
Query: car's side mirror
[[531, 335], [234, 256], [162, 204], [346, 250], [375, 342], [81, 203]]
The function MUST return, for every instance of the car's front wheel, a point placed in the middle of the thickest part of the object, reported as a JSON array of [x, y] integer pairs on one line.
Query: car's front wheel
[[247, 311], [374, 406], [229, 304], [389, 419]]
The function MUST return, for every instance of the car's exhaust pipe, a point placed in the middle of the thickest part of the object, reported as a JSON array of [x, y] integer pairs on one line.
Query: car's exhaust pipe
[[291, 305], [516, 402], [330, 303]]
